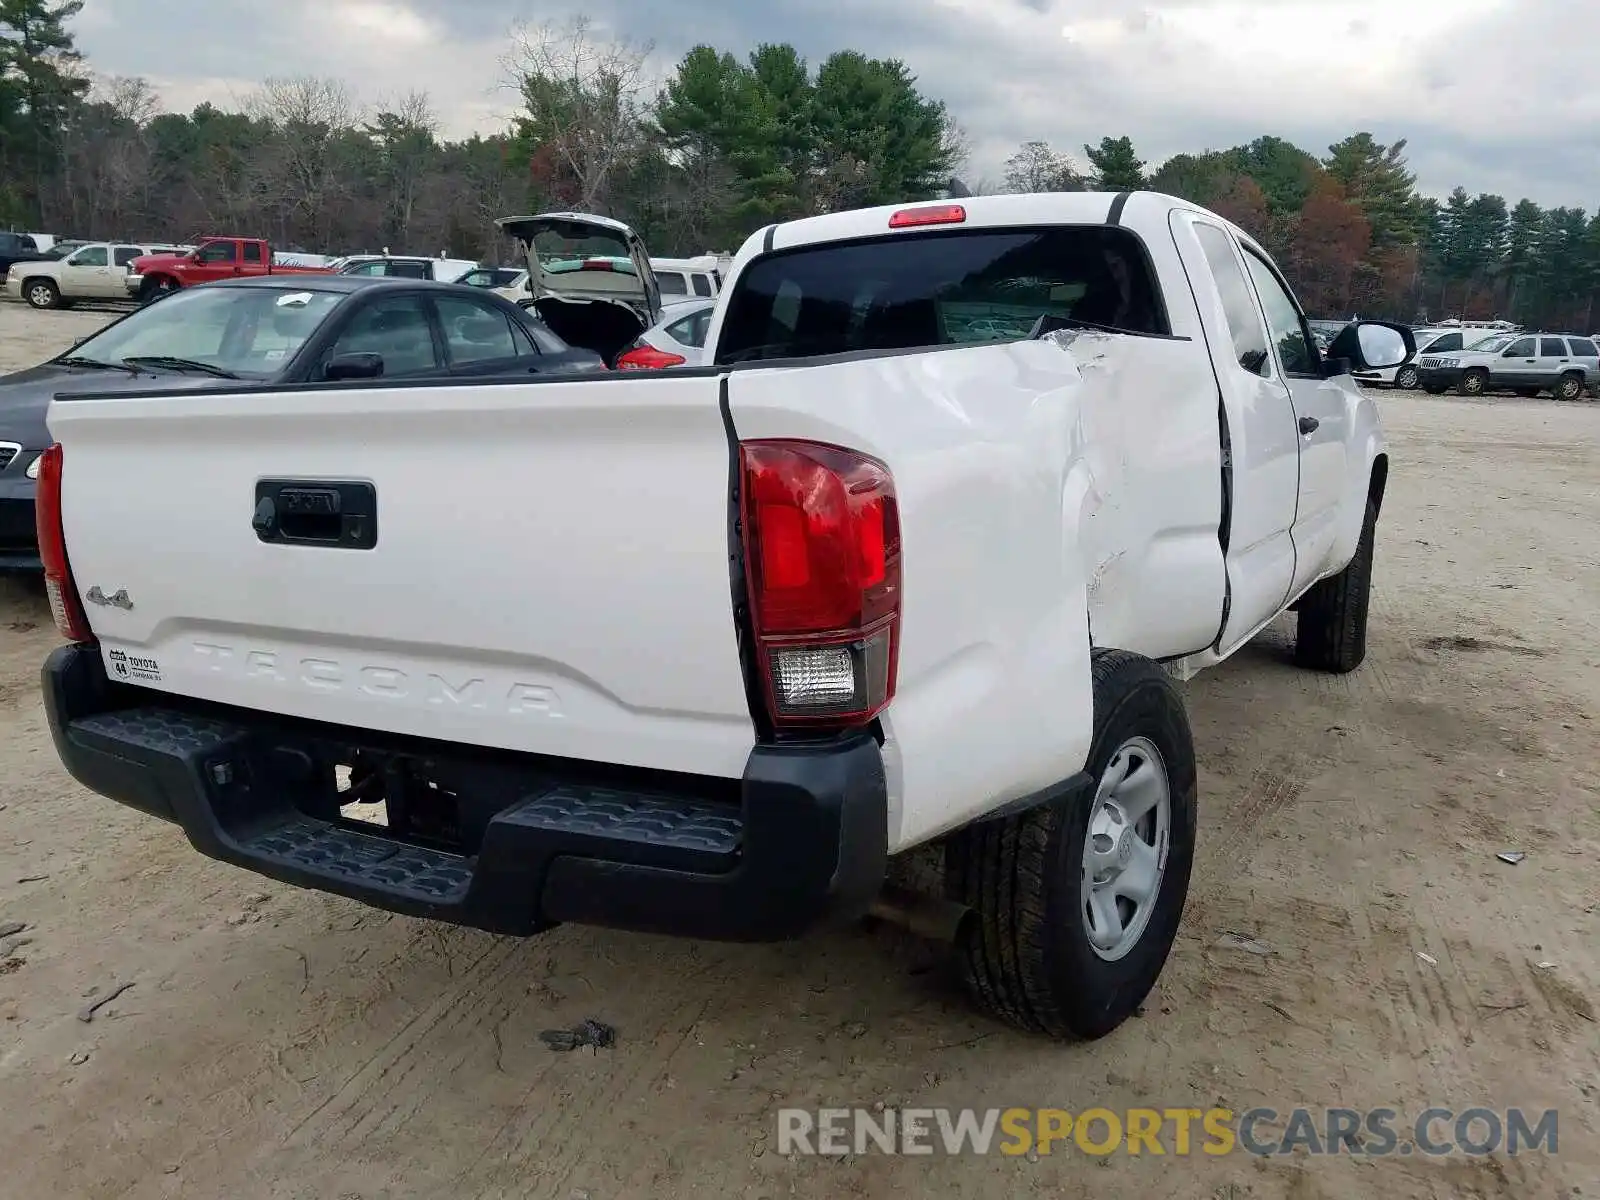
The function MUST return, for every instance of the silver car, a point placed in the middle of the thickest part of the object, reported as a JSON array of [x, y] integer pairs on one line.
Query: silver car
[[678, 339]]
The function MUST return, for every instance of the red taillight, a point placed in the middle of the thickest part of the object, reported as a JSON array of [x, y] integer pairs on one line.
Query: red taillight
[[65, 606], [821, 529], [933, 214], [648, 358], [597, 264]]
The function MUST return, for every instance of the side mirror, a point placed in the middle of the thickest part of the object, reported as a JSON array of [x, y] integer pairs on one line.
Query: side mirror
[[353, 366], [1373, 345], [1509, 354]]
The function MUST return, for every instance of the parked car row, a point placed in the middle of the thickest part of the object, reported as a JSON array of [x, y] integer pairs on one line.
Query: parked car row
[[1476, 357], [94, 271], [1565, 365], [278, 329]]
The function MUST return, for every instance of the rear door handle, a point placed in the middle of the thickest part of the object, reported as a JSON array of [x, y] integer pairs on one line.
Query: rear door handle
[[1309, 424]]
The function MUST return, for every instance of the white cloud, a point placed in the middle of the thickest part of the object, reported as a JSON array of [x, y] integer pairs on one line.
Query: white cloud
[[1488, 91]]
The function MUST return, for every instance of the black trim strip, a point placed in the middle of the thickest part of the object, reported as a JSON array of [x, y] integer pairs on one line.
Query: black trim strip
[[738, 583], [1082, 781], [767, 238], [1118, 203]]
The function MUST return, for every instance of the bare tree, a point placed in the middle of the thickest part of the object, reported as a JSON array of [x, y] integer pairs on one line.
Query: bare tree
[[403, 135], [105, 158], [313, 119], [583, 102], [1035, 167]]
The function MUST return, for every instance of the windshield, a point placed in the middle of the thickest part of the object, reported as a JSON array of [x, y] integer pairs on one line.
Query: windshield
[[1498, 342], [250, 332]]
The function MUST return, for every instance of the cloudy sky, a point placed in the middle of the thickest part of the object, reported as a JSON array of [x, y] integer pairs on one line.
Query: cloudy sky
[[1491, 94]]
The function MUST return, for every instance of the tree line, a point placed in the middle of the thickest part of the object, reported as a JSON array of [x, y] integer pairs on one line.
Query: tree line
[[723, 146]]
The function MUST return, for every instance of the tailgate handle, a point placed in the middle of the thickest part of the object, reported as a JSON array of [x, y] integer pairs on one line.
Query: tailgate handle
[[338, 514]]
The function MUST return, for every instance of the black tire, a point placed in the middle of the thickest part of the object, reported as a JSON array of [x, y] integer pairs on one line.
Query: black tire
[[155, 289], [1569, 387], [1332, 630], [1473, 383], [1406, 378], [41, 293], [1025, 954]]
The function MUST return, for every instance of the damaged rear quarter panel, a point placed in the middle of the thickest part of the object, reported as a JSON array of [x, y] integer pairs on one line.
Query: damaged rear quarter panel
[[1143, 491], [1027, 472]]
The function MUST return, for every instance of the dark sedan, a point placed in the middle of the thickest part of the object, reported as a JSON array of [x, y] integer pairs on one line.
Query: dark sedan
[[272, 330]]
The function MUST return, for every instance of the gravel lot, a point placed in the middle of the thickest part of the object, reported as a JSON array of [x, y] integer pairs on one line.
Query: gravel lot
[[281, 1043]]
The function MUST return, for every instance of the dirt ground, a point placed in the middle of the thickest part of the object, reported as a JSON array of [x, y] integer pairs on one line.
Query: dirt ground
[[281, 1043]]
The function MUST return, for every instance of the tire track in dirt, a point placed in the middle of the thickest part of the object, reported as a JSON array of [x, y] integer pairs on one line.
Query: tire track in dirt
[[540, 1147], [1224, 857], [394, 1060]]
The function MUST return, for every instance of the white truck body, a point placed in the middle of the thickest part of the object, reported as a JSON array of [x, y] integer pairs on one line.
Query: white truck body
[[551, 569]]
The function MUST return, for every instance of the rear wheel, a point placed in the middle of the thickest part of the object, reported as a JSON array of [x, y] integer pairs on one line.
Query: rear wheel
[[1331, 634], [42, 293], [1474, 383], [1076, 903], [1406, 378], [1569, 387]]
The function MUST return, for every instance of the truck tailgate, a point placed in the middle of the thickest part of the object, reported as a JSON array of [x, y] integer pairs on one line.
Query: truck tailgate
[[550, 571]]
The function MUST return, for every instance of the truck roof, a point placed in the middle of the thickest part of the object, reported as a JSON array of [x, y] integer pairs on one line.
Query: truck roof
[[1038, 208]]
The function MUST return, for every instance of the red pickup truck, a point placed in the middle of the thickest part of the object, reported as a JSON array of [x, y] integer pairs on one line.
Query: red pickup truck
[[213, 258]]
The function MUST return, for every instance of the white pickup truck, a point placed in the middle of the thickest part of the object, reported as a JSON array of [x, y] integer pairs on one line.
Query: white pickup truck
[[702, 651]]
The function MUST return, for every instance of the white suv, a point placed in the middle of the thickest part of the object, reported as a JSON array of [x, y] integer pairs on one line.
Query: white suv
[[1525, 363], [93, 272]]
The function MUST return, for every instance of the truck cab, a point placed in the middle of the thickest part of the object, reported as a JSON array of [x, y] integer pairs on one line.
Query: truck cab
[[212, 258]]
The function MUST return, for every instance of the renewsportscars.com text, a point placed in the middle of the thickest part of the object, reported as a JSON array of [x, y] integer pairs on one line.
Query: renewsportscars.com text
[[1180, 1132]]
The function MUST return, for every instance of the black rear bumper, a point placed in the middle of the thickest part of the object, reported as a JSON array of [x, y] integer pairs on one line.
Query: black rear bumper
[[799, 841]]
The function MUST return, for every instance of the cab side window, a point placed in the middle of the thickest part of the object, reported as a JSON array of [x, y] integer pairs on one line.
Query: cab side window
[[89, 256], [1552, 348], [1521, 348], [1244, 321], [395, 328], [1295, 350], [218, 252], [475, 332]]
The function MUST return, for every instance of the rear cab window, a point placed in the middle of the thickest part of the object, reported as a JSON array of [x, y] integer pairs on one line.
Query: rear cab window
[[940, 288]]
